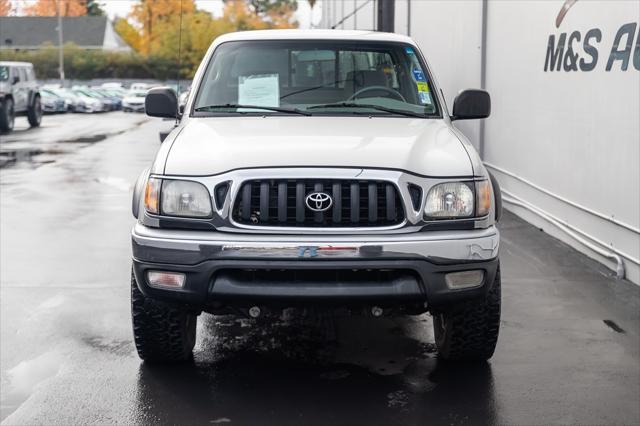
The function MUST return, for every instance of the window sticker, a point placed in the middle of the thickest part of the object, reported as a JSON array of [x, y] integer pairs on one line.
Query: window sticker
[[418, 75], [259, 90], [409, 51], [424, 93]]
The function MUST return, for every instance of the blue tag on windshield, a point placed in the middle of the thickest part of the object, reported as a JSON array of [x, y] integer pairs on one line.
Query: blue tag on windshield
[[418, 75]]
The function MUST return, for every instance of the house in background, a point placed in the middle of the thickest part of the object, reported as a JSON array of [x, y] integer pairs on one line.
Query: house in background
[[87, 32]]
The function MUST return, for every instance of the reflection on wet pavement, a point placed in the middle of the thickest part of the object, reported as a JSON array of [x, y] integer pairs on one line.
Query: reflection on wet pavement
[[316, 370]]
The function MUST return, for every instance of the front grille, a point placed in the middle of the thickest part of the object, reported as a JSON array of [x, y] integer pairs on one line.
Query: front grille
[[282, 202]]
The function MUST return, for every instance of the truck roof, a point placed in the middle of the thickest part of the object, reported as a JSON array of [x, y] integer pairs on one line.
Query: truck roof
[[313, 35]]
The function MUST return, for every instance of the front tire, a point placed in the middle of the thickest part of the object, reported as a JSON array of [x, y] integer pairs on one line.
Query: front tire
[[34, 113], [469, 331], [162, 333], [7, 115]]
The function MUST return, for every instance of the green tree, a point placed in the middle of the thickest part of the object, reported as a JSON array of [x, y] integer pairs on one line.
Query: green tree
[[264, 7], [94, 8]]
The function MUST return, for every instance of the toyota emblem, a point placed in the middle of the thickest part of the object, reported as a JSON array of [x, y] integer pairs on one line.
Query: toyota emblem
[[319, 201]]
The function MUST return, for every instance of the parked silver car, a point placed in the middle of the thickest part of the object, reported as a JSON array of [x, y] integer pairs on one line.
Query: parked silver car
[[134, 101], [52, 102], [19, 94]]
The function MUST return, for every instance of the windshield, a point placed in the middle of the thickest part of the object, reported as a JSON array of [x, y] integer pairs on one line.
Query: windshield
[[51, 93], [318, 77], [4, 73]]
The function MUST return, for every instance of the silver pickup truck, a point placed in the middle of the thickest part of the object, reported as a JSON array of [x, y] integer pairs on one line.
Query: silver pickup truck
[[316, 168]]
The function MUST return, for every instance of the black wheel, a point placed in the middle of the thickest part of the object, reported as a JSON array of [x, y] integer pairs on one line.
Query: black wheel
[[7, 115], [34, 113], [469, 331], [162, 333]]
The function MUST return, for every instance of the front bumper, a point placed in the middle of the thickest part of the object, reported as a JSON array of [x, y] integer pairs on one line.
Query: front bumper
[[133, 107], [216, 265]]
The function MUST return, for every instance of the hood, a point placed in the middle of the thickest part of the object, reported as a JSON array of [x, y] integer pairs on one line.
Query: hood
[[213, 145]]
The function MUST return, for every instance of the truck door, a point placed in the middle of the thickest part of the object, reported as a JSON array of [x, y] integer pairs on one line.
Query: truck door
[[20, 92]]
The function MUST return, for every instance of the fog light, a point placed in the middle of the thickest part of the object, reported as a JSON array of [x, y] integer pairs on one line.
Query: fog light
[[164, 279], [464, 279]]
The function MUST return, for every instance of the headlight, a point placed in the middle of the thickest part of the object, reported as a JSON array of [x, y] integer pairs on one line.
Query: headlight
[[177, 198], [185, 198], [449, 200]]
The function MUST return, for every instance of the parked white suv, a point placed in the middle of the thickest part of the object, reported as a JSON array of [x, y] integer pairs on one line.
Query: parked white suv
[[19, 95], [316, 168]]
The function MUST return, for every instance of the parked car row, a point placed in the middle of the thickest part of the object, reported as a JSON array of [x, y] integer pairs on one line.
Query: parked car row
[[81, 99], [108, 97], [20, 94]]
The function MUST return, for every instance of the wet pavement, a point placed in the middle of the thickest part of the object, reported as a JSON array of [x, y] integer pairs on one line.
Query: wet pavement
[[568, 353]]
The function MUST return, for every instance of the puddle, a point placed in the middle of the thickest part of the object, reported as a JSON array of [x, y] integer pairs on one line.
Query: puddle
[[25, 377], [87, 139], [36, 157], [384, 347], [29, 157]]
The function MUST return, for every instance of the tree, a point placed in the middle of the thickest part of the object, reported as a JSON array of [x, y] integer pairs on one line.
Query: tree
[[94, 8], [155, 30], [264, 7], [6, 7], [149, 13], [260, 14], [50, 8], [128, 33], [199, 29], [239, 15]]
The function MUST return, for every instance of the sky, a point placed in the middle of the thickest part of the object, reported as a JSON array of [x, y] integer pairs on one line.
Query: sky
[[122, 7]]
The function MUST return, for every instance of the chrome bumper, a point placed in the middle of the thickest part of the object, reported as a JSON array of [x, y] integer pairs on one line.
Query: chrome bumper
[[214, 263], [192, 247]]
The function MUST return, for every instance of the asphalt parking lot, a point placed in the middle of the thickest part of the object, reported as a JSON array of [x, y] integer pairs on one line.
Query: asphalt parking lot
[[568, 353]]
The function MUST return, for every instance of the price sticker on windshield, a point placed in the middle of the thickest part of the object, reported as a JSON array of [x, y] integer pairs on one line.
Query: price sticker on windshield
[[423, 92], [259, 90]]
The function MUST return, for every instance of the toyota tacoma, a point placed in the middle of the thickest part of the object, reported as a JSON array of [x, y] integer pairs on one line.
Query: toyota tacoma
[[315, 169]]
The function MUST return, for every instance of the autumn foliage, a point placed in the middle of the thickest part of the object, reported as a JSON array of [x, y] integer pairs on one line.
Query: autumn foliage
[[50, 8], [5, 7], [162, 34], [155, 27]]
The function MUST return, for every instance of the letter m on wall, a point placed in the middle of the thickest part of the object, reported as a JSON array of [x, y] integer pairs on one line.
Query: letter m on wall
[[553, 61]]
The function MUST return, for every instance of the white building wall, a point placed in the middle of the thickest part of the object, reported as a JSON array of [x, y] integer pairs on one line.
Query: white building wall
[[573, 136]]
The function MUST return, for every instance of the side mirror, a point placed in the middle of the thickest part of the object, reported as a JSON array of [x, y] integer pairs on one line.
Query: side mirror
[[15, 80], [161, 102], [470, 104]]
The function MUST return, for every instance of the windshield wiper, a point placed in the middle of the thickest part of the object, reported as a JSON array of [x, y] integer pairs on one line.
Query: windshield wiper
[[268, 108], [372, 106]]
